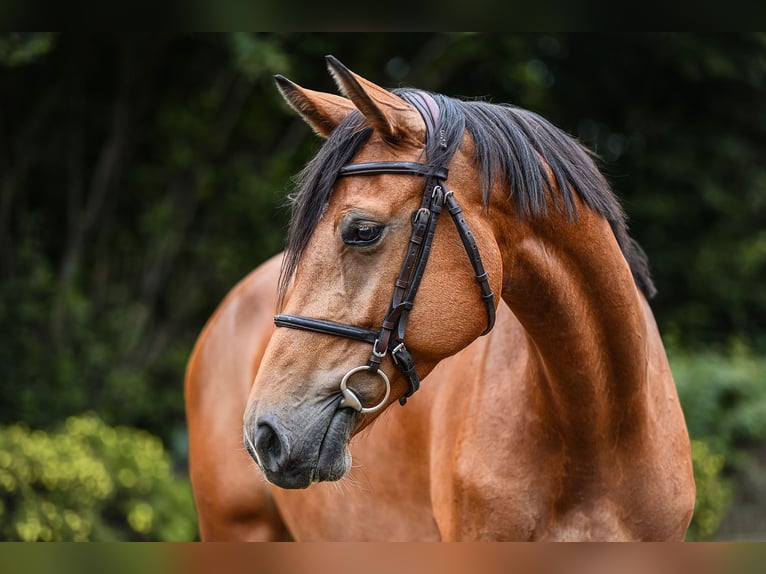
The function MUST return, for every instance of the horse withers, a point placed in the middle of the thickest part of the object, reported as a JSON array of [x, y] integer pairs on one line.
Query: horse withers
[[471, 245]]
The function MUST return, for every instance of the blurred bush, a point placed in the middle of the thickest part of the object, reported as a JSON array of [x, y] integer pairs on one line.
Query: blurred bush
[[723, 394], [90, 481], [713, 492]]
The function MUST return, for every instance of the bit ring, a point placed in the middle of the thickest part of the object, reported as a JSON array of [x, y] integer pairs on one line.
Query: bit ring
[[351, 399]]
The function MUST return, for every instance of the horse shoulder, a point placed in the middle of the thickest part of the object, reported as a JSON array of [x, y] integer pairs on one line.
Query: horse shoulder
[[491, 451], [233, 502], [498, 462]]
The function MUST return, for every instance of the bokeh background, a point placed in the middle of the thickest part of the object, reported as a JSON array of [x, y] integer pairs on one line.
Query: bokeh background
[[141, 176]]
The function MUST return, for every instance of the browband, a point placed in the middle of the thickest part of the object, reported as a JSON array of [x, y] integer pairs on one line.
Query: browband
[[393, 167]]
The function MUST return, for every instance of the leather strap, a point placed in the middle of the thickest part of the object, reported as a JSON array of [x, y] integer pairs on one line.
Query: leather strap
[[393, 167], [326, 327], [434, 208], [472, 249]]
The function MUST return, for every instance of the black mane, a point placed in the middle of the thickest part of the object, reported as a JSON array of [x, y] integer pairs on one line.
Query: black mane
[[512, 146]]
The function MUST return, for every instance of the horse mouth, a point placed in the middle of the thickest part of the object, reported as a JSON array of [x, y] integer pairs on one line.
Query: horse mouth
[[334, 459]]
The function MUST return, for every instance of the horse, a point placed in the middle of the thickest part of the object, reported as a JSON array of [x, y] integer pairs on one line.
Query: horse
[[547, 409]]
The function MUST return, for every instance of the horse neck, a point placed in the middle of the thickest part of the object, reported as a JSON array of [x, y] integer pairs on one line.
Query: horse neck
[[572, 290]]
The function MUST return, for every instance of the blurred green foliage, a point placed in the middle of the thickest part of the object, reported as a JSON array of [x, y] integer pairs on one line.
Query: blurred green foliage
[[17, 49], [713, 492], [90, 481], [141, 176], [724, 398], [723, 394]]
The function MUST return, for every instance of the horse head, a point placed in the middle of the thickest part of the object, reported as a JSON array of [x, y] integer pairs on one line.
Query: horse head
[[369, 316]]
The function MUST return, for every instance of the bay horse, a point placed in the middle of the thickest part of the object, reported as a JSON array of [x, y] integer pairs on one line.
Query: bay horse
[[547, 412]]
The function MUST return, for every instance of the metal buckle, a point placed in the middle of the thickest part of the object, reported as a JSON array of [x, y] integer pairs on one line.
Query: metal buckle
[[417, 214], [394, 351], [374, 352]]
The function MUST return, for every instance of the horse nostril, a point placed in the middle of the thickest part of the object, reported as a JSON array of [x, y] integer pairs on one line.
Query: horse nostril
[[271, 447]]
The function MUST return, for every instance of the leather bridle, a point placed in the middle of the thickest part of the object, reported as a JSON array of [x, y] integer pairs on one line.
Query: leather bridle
[[390, 336]]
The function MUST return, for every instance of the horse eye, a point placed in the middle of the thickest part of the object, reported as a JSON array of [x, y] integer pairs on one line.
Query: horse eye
[[361, 234]]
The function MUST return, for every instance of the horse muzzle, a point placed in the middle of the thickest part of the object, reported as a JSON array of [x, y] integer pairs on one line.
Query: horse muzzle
[[315, 453]]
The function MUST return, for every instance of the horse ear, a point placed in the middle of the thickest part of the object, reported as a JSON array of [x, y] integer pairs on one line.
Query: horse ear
[[323, 112], [384, 111]]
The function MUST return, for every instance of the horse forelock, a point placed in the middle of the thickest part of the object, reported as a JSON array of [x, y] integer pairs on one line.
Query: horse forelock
[[313, 186], [513, 147]]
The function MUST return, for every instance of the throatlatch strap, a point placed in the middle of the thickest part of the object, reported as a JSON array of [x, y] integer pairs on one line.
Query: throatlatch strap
[[472, 249]]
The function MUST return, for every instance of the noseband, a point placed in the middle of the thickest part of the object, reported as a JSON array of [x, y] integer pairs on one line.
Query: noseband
[[390, 337]]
